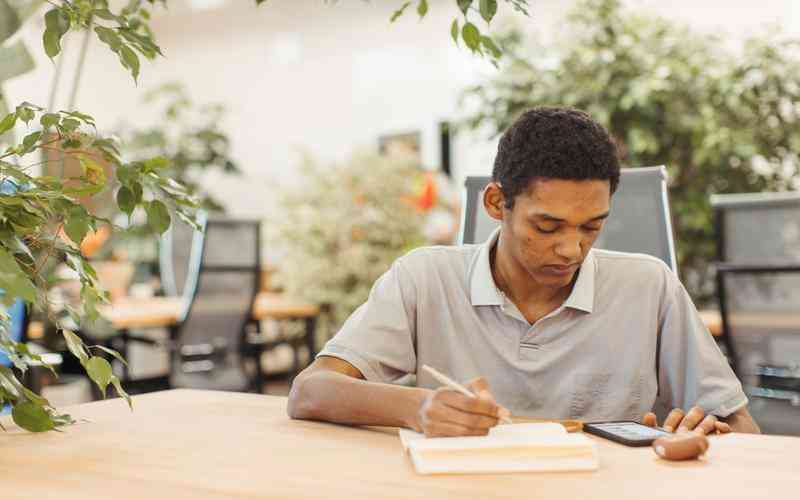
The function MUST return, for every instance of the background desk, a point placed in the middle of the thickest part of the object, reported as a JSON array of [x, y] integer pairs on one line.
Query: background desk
[[213, 445]]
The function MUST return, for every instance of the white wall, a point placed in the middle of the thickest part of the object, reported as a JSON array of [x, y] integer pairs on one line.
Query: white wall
[[302, 75]]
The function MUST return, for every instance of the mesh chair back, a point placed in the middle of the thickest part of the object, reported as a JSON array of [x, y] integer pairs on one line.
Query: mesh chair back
[[639, 222], [761, 307], [758, 228], [212, 332]]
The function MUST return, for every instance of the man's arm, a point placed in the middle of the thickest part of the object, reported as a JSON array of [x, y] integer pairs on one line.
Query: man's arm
[[333, 390], [742, 421]]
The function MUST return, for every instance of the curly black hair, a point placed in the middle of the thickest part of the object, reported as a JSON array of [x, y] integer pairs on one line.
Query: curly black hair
[[554, 142]]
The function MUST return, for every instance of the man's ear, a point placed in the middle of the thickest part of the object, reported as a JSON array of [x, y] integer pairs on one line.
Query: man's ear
[[494, 201]]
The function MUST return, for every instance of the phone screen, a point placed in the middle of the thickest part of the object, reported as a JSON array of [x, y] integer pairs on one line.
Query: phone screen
[[631, 430]]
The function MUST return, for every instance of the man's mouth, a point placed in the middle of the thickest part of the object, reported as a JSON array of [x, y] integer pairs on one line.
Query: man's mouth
[[561, 270]]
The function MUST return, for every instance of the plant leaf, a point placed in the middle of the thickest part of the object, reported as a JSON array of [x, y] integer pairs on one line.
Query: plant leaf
[[422, 8], [112, 352], [454, 30], [464, 5], [77, 224], [399, 12], [56, 25], [471, 36], [49, 119], [8, 122], [14, 280], [32, 417], [99, 370], [118, 386], [489, 44], [130, 60], [157, 216], [75, 346], [488, 9], [126, 200]]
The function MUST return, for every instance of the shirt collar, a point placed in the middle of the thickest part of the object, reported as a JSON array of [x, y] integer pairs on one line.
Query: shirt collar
[[484, 291]]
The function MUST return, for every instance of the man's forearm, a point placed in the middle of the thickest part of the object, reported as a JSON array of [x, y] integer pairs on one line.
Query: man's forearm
[[335, 397], [742, 421]]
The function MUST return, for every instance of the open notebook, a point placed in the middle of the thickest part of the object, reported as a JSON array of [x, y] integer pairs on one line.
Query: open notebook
[[507, 448]]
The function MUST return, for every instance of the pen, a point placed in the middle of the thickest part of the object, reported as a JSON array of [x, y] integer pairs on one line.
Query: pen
[[444, 379]]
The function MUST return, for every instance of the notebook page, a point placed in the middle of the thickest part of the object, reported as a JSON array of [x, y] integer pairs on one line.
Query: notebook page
[[506, 432]]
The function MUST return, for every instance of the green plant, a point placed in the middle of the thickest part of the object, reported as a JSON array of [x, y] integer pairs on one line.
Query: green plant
[[348, 223], [41, 218], [721, 119], [187, 135], [37, 210]]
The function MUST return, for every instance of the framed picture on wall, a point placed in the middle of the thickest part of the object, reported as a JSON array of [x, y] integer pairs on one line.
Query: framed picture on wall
[[404, 143]]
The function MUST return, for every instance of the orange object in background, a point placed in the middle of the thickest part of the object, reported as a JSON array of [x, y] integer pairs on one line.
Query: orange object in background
[[426, 199], [94, 240], [427, 194]]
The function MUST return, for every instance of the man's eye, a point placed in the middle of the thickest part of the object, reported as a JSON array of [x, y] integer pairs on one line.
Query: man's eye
[[546, 230], [592, 228]]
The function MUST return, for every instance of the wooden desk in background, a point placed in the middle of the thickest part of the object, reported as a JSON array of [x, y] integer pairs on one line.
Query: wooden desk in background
[[151, 312], [216, 445]]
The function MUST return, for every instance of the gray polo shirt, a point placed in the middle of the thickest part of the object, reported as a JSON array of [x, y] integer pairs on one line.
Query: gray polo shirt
[[593, 358]]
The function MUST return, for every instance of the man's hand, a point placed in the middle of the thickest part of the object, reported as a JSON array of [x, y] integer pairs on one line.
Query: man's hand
[[445, 412], [696, 420]]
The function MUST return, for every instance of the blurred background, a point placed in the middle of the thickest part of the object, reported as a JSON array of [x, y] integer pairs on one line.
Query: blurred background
[[347, 140]]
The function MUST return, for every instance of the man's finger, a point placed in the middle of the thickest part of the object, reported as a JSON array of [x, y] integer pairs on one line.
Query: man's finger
[[723, 427], [481, 406], [708, 425], [477, 385], [650, 419], [444, 413], [694, 417], [447, 429], [673, 419]]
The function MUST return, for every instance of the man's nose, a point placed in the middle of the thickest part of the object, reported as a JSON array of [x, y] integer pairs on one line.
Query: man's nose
[[569, 248]]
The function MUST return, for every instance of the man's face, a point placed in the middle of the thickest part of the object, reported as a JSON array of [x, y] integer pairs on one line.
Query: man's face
[[553, 226]]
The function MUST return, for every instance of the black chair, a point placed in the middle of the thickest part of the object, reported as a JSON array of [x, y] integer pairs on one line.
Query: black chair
[[758, 287], [211, 347]]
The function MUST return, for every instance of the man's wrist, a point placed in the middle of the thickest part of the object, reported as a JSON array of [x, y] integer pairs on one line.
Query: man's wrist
[[411, 413]]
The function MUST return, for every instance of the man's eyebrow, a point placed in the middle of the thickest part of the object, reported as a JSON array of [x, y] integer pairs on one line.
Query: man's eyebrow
[[558, 219]]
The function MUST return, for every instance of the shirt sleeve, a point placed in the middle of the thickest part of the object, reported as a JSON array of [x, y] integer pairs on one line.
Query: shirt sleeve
[[379, 337], [692, 369]]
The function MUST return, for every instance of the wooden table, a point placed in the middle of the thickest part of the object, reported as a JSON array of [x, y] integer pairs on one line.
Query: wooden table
[[150, 312], [213, 445], [713, 321], [165, 312], [767, 321]]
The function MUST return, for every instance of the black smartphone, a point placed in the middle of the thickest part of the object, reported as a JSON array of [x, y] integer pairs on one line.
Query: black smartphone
[[626, 432]]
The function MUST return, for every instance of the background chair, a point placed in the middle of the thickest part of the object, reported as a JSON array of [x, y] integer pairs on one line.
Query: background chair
[[640, 220], [758, 286], [179, 256], [211, 348]]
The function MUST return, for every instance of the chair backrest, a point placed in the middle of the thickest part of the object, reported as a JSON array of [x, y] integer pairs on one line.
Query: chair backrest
[[757, 227], [640, 218], [180, 254], [758, 283], [228, 282]]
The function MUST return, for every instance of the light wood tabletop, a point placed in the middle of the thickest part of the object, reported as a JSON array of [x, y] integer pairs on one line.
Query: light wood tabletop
[[214, 445], [150, 312], [751, 321]]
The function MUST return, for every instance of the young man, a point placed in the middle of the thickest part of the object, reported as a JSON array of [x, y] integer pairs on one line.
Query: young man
[[556, 329]]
